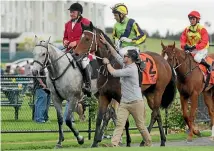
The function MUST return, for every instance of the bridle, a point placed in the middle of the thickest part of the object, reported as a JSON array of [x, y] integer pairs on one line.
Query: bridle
[[94, 39], [47, 62], [103, 68], [47, 59], [177, 62]]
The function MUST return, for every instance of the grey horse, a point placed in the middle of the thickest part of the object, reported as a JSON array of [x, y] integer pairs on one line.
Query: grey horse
[[63, 79]]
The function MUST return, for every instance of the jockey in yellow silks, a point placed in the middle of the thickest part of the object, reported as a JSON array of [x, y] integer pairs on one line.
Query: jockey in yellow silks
[[126, 32], [195, 39]]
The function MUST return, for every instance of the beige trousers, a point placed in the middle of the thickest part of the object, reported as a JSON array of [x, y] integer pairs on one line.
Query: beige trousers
[[137, 110]]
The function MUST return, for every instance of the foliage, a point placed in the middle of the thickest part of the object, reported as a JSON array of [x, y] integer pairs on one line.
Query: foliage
[[26, 45], [58, 41], [93, 103], [175, 117]]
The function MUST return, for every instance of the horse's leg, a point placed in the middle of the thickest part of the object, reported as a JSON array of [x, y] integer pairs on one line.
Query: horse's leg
[[106, 118], [128, 137], [194, 104], [153, 114], [184, 107], [69, 122], [209, 101], [58, 106], [103, 104], [150, 101], [160, 126], [157, 103]]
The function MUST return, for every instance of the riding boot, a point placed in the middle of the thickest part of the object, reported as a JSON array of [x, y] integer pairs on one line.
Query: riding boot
[[87, 80], [209, 67]]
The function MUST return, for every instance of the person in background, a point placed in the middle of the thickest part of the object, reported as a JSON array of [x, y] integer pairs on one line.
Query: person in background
[[27, 69], [42, 99], [2, 71], [17, 70]]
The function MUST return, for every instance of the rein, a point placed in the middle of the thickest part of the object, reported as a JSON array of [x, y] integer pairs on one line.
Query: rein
[[179, 64], [47, 62], [103, 68]]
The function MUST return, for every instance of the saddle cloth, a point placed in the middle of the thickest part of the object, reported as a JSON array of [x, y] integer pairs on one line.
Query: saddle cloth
[[204, 70], [150, 73]]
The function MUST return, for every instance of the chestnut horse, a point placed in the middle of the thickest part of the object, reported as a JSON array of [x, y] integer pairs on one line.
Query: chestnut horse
[[190, 83], [158, 95]]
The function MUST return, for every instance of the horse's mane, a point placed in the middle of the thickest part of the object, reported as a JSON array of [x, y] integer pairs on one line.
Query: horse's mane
[[106, 37]]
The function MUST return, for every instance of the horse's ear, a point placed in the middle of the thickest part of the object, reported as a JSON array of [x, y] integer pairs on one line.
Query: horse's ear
[[163, 46], [173, 45], [91, 26], [47, 42], [36, 40]]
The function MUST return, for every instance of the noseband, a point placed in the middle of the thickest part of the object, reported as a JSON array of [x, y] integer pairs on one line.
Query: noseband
[[94, 39], [184, 61], [43, 64]]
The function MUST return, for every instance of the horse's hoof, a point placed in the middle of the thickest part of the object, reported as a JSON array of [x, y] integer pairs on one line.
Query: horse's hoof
[[80, 140], [189, 141], [198, 133], [128, 145], [58, 146], [212, 138], [142, 144], [163, 142], [94, 145]]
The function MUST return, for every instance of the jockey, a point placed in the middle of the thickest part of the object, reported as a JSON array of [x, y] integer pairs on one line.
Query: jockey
[[126, 31], [196, 39], [72, 35]]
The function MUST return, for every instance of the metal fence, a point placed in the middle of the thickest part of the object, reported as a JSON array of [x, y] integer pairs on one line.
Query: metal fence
[[17, 110]]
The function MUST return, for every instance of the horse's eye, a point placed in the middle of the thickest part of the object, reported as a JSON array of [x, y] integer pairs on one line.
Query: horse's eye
[[43, 54]]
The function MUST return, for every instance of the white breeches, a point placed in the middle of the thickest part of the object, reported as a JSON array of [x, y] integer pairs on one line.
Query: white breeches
[[199, 55], [124, 50], [85, 62]]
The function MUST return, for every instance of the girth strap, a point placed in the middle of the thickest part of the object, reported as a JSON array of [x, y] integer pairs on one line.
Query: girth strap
[[57, 92]]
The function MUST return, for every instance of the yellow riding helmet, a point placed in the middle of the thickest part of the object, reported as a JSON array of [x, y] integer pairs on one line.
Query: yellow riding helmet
[[120, 8]]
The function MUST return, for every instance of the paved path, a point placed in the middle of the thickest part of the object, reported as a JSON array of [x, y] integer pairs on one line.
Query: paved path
[[202, 141]]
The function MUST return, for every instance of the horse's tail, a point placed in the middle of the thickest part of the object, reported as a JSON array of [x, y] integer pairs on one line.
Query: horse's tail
[[170, 91]]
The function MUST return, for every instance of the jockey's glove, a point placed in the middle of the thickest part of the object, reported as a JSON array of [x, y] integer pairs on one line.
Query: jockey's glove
[[186, 47], [125, 39], [192, 48], [117, 44]]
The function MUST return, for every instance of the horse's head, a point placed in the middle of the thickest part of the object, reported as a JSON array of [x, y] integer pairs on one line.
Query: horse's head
[[90, 41], [173, 55], [41, 56]]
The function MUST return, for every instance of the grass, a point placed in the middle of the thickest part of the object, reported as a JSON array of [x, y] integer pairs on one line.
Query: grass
[[147, 149], [48, 140]]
